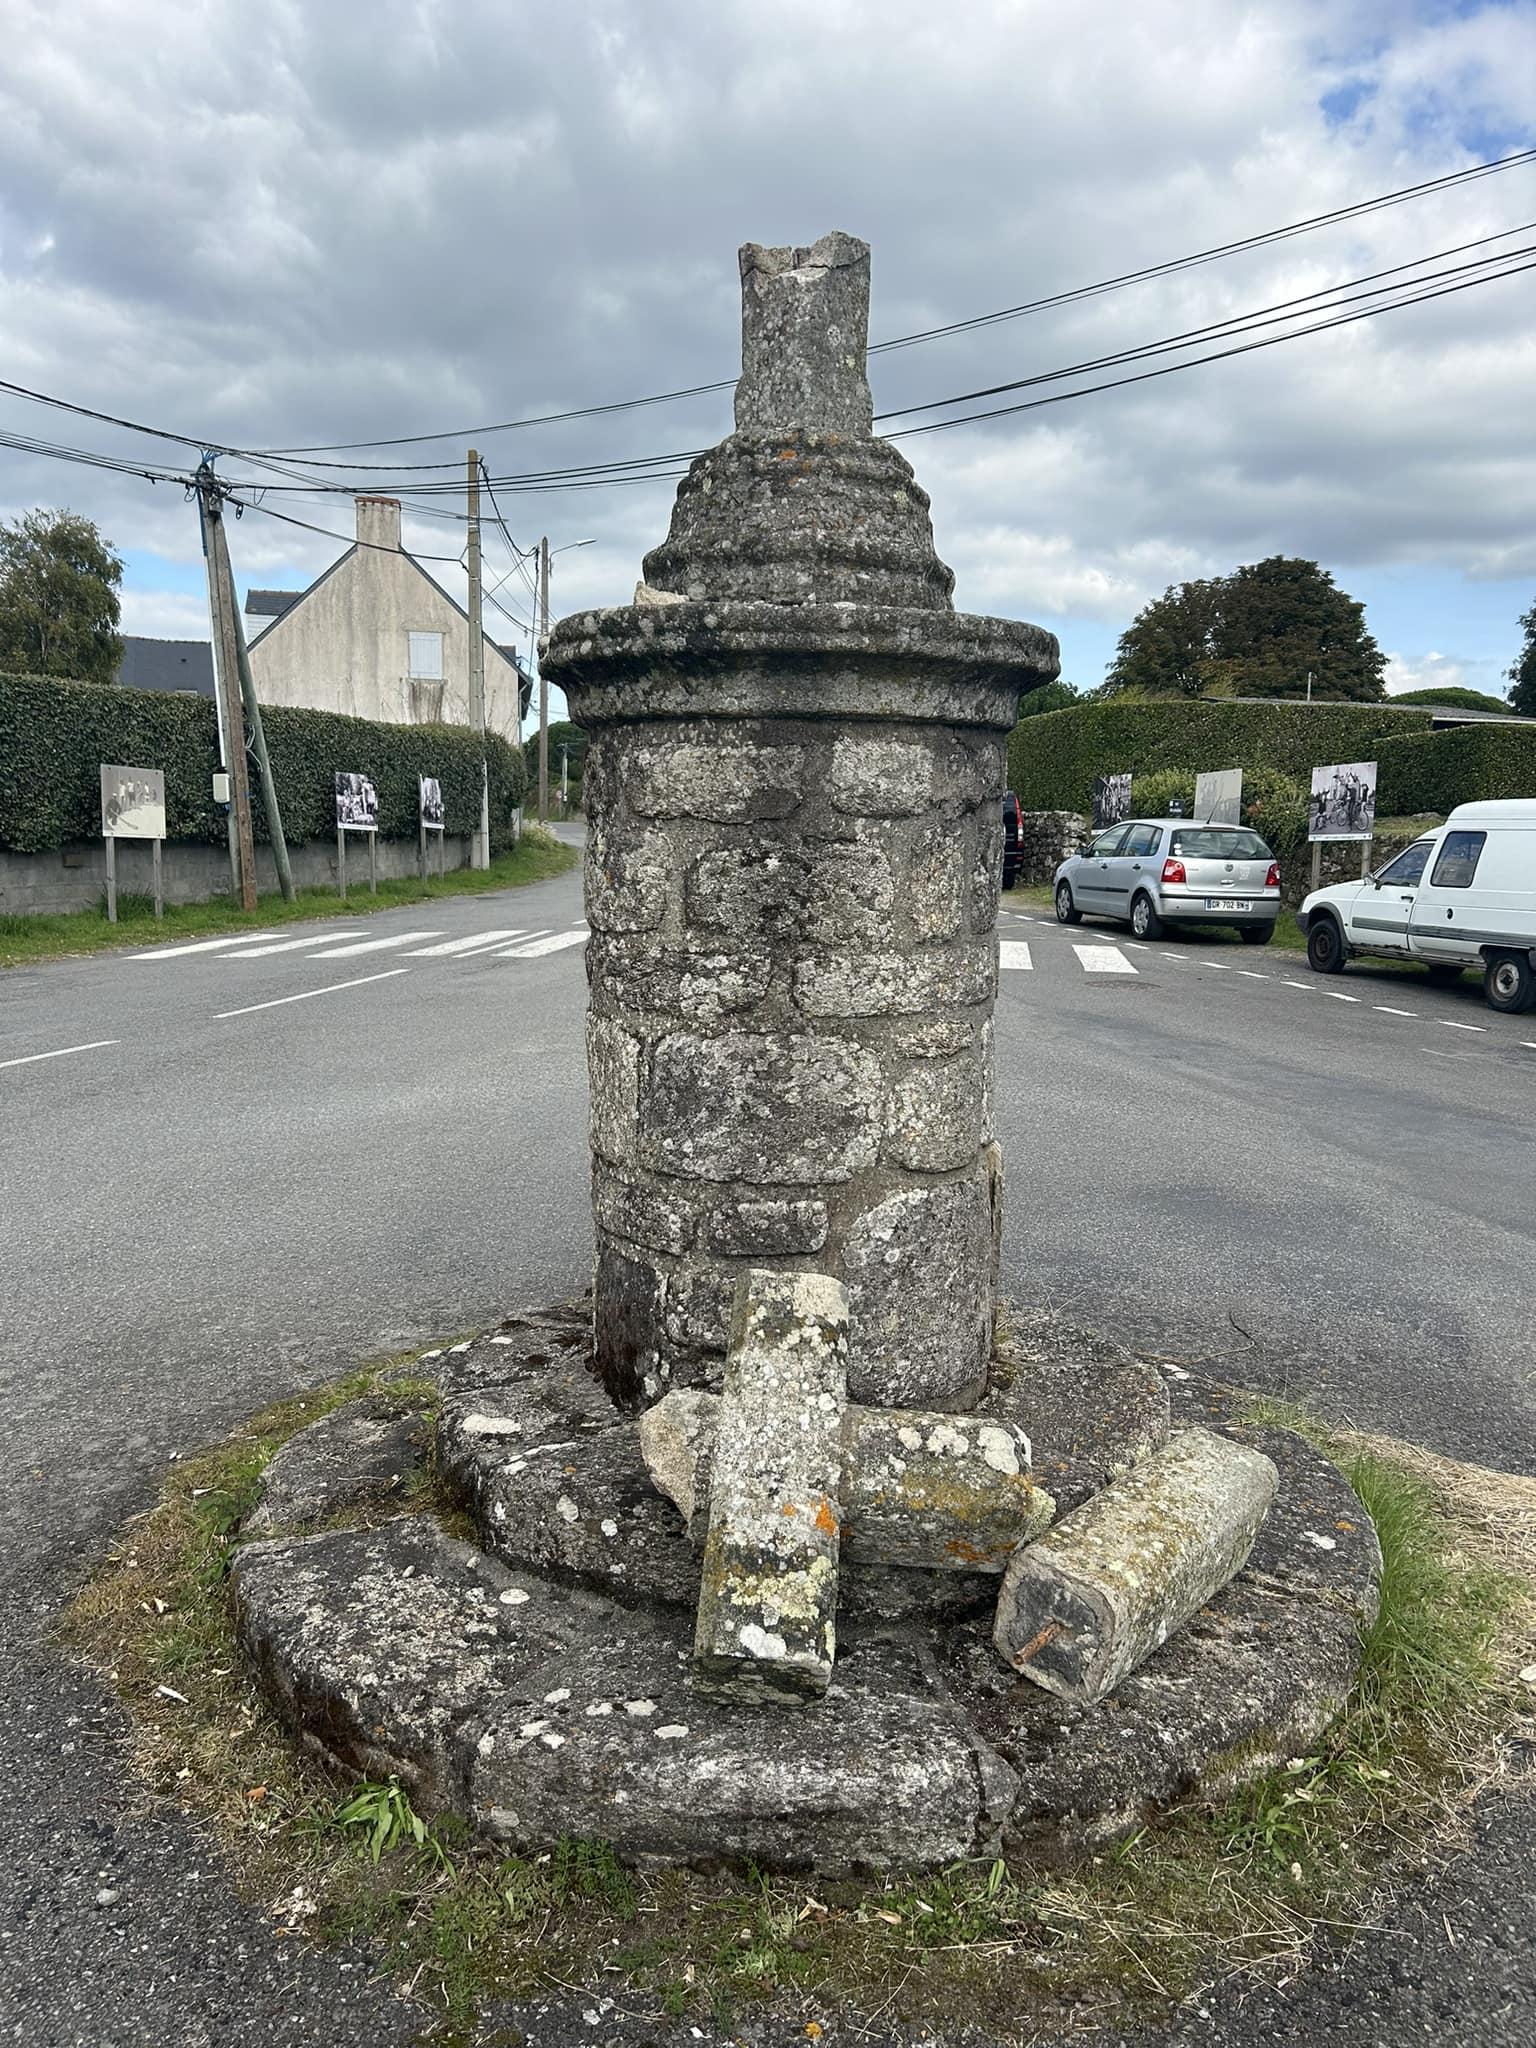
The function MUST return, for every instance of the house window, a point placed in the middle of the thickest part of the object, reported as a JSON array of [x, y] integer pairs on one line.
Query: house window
[[426, 657]]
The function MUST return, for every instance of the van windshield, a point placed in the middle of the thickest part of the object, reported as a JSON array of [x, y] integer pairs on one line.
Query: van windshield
[[1217, 842]]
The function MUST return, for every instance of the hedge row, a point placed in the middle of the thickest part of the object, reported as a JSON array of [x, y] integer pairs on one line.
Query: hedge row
[[1437, 771], [1052, 761], [54, 736]]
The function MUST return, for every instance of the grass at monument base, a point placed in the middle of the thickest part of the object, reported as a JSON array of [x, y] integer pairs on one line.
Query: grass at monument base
[[1245, 1885]]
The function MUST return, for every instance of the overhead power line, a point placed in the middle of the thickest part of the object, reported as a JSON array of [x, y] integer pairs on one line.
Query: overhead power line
[[1470, 174]]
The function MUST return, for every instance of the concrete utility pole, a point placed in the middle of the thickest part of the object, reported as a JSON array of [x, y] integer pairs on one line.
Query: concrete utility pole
[[226, 660], [253, 714], [543, 635], [480, 852]]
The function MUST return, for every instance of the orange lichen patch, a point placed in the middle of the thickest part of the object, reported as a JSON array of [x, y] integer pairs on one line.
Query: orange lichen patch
[[789, 455], [968, 1553], [826, 1521], [788, 1508], [1347, 1527]]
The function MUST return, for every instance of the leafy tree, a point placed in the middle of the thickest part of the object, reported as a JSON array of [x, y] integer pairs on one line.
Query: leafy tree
[[1255, 633], [1455, 695], [1522, 695], [1049, 697], [59, 606]]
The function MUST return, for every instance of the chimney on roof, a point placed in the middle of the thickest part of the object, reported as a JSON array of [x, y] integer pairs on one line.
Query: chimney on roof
[[378, 522]]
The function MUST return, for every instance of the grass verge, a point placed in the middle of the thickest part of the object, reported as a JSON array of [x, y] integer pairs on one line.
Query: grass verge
[[26, 940], [1202, 1893]]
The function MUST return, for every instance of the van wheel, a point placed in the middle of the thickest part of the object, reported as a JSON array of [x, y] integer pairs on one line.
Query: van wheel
[[1509, 983], [1145, 922], [1067, 911], [1257, 934], [1325, 947], [1444, 976]]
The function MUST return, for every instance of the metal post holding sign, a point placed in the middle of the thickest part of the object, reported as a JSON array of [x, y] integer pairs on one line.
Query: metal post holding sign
[[357, 810], [132, 807]]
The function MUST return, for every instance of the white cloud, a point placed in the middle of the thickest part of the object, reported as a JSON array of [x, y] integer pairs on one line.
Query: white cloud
[[164, 615], [309, 223], [1423, 671]]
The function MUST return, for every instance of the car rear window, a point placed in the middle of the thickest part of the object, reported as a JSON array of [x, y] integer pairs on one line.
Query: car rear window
[[1217, 842], [1456, 862]]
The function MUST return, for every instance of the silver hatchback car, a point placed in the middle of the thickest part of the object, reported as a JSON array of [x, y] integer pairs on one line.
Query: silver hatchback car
[[1152, 872]]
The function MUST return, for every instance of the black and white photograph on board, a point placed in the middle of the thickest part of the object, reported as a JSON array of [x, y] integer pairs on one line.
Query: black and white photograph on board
[[431, 801], [1111, 800], [1343, 804], [357, 803], [132, 802]]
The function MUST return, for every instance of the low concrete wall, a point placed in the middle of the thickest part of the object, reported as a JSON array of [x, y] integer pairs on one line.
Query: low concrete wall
[[75, 878]]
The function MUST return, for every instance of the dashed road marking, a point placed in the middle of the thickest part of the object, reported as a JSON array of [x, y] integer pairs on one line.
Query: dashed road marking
[[1013, 953], [1104, 960], [1340, 997], [290, 945], [1304, 986], [373, 945], [1387, 1010], [61, 1052], [1449, 1025], [304, 994], [1253, 974]]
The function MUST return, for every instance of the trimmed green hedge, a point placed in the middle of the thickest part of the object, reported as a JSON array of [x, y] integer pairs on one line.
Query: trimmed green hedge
[[1052, 761], [54, 736], [1436, 771]]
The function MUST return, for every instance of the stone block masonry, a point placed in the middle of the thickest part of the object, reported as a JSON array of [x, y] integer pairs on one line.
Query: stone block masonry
[[793, 784]]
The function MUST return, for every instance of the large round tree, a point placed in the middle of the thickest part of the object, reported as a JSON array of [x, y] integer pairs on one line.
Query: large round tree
[[1522, 677], [1259, 632], [58, 598]]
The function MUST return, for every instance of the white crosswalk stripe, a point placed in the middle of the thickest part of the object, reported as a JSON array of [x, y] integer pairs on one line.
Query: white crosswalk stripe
[[555, 942], [1104, 960], [288, 945], [372, 945], [202, 946], [475, 943], [1013, 953]]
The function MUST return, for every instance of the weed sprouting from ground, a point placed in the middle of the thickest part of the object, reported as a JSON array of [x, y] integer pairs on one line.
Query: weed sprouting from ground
[[1244, 1885]]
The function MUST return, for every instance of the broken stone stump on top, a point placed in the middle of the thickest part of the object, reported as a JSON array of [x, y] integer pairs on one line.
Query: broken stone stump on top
[[768, 1601], [933, 1491], [1090, 1601]]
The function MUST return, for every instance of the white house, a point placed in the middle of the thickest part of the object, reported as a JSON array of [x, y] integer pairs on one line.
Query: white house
[[376, 637]]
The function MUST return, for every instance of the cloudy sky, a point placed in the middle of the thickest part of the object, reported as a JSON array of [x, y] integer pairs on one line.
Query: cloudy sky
[[296, 222]]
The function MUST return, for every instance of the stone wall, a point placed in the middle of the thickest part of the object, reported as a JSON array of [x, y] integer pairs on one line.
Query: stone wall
[[1045, 840], [75, 878]]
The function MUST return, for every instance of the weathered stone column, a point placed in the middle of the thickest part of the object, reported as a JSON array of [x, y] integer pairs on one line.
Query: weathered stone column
[[792, 787]]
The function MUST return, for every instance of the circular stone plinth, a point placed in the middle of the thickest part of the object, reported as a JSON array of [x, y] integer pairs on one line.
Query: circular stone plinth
[[538, 1683]]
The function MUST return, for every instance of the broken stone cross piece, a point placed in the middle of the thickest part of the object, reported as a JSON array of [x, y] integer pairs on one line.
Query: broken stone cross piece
[[768, 1596], [941, 1492]]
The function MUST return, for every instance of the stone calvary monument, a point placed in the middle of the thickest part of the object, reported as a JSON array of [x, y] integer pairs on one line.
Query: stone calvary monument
[[782, 1551]]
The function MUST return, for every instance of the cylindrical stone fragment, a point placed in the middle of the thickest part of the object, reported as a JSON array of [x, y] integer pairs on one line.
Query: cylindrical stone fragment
[[768, 1593], [1088, 1603], [936, 1492]]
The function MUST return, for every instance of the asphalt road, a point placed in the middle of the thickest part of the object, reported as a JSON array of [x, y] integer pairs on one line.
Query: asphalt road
[[227, 1193]]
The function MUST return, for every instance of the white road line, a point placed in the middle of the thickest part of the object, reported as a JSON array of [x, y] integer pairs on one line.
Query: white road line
[[287, 945], [1529, 1044], [202, 946], [1179, 956], [1387, 1010], [1338, 998], [1140, 945], [1220, 966], [63, 1052], [1253, 974], [555, 943], [374, 945], [1104, 960], [1013, 953], [304, 994], [450, 947], [1450, 1026], [1304, 986]]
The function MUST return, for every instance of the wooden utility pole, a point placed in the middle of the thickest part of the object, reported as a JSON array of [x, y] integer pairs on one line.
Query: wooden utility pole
[[480, 853], [269, 800], [226, 661], [543, 635]]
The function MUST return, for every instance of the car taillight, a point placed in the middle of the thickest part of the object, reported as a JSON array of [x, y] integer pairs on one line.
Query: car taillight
[[1272, 879], [1173, 871]]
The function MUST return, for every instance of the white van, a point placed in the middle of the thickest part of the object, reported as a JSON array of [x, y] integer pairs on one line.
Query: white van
[[1462, 896]]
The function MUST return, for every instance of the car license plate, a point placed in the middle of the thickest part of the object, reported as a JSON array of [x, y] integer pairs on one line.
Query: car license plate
[[1227, 903]]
